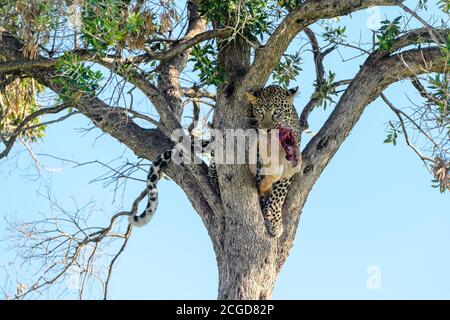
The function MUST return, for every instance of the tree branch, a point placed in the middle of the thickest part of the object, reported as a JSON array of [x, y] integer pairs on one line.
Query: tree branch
[[145, 143], [399, 114], [170, 69], [437, 38], [422, 91], [318, 57], [378, 72], [416, 36], [186, 43], [162, 98], [196, 93], [362, 91], [314, 102], [21, 127], [297, 20]]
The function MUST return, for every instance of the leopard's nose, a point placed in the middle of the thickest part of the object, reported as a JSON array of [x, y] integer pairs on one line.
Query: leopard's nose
[[266, 122]]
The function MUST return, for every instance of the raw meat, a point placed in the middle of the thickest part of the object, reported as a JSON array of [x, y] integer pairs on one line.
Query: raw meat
[[289, 145]]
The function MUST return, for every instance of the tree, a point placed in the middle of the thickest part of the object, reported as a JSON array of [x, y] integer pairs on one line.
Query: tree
[[73, 47]]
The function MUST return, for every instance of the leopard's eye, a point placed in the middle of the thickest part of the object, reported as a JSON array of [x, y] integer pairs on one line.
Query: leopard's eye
[[277, 111], [258, 113]]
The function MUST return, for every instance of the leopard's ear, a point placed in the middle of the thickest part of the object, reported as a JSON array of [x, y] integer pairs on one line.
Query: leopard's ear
[[252, 96], [292, 92]]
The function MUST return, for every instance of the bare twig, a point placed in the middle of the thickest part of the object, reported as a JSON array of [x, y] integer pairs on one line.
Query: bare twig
[[314, 102], [59, 249], [10, 142], [400, 115], [432, 31]]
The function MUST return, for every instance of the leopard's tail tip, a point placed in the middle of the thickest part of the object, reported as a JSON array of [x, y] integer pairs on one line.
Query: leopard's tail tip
[[139, 221]]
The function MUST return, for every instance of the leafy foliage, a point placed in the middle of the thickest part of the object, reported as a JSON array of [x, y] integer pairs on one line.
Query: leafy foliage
[[100, 27], [34, 21], [287, 69], [252, 20], [205, 62], [103, 25], [444, 5], [422, 4], [388, 32], [334, 34], [76, 79], [441, 172], [326, 91], [439, 85], [120, 27], [17, 101], [394, 130], [110, 23]]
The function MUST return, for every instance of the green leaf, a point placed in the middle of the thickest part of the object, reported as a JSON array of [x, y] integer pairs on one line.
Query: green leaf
[[334, 34], [387, 33], [253, 18], [287, 69], [206, 63], [76, 78]]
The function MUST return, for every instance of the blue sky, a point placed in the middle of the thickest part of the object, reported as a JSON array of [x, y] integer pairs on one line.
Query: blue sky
[[373, 205]]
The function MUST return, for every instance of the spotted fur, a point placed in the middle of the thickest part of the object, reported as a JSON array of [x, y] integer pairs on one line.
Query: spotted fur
[[154, 175], [212, 173], [272, 107]]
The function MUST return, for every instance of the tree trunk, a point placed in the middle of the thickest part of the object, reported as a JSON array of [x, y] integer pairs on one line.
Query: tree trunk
[[242, 278], [248, 258], [246, 254], [247, 262]]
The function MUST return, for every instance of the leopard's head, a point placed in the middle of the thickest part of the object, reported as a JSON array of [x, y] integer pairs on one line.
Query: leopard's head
[[272, 106]]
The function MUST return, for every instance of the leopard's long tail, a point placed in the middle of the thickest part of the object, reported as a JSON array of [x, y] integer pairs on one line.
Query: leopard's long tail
[[154, 174]]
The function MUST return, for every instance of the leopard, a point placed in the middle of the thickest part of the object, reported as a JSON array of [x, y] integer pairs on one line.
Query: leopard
[[273, 108]]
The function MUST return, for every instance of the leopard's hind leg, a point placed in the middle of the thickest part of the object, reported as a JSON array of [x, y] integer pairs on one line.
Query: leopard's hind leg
[[273, 205]]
